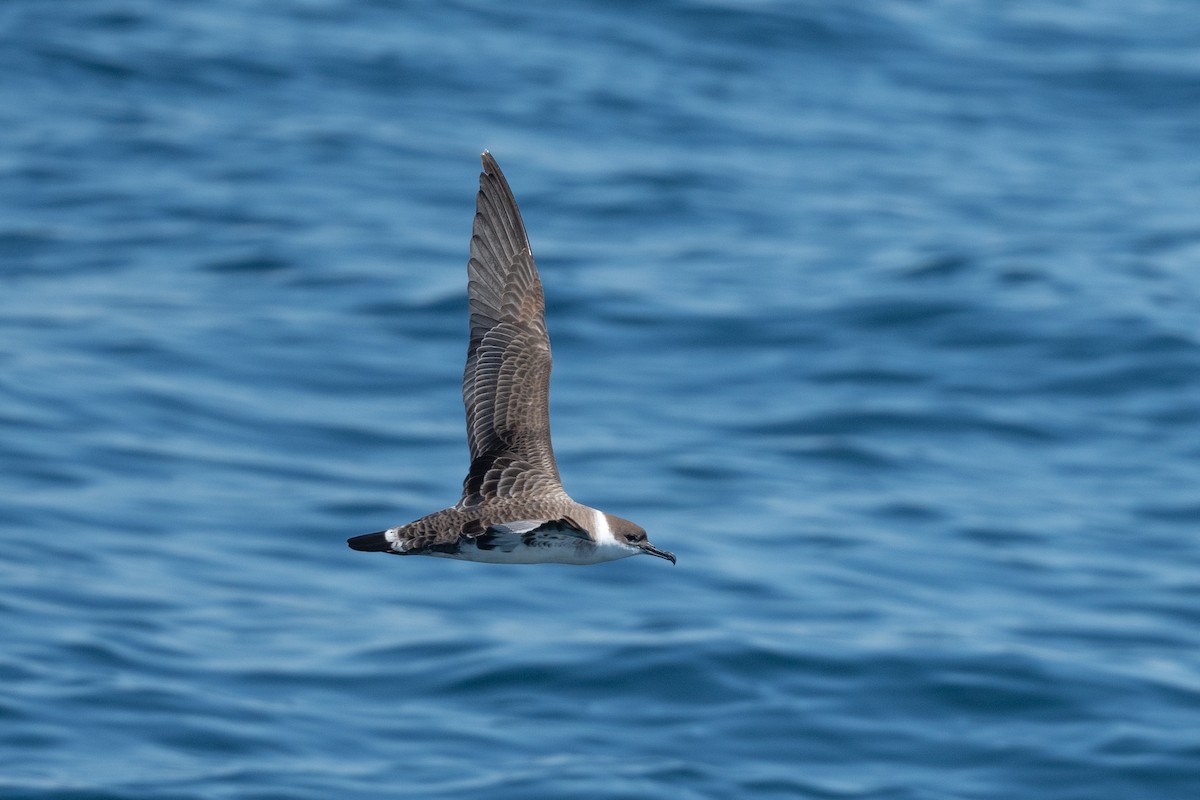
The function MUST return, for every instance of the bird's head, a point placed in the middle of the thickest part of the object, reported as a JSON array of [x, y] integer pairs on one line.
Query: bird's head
[[633, 535]]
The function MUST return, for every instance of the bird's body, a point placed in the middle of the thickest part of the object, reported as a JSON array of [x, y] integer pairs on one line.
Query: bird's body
[[514, 509]]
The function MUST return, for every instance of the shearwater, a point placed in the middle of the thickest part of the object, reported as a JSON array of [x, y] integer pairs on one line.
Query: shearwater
[[514, 509]]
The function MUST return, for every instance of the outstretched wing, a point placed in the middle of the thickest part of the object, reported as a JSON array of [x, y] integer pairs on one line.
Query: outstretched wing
[[506, 386]]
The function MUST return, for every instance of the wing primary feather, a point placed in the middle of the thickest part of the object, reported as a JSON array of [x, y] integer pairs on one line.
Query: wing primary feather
[[506, 383]]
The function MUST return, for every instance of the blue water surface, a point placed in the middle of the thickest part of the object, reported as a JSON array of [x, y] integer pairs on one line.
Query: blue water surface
[[885, 317]]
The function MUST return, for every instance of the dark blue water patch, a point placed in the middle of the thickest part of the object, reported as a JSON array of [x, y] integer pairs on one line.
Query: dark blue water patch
[[877, 376], [1117, 381], [778, 28], [89, 64], [357, 509], [1001, 537], [706, 469], [890, 314], [105, 655], [914, 511], [999, 696], [1105, 338], [440, 309], [1183, 513], [940, 267], [891, 422], [1022, 275], [18, 247], [216, 738], [248, 264], [836, 451], [1065, 635], [34, 791], [1165, 241], [39, 473]]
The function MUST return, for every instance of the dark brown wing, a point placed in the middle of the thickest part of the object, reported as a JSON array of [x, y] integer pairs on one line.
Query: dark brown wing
[[506, 386]]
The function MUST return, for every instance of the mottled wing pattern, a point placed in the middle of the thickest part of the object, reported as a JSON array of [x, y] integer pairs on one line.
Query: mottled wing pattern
[[507, 537], [506, 385]]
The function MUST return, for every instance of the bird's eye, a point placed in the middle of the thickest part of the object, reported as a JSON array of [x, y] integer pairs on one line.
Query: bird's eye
[[631, 537]]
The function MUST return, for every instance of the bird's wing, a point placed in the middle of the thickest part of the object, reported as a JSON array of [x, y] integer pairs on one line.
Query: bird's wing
[[506, 385]]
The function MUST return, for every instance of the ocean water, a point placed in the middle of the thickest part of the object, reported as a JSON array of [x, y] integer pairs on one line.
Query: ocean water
[[885, 318]]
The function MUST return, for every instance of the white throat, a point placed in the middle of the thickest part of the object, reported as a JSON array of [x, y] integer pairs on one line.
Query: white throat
[[607, 545], [600, 529]]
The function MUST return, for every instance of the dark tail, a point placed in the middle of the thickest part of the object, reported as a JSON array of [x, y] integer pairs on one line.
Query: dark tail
[[370, 543]]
